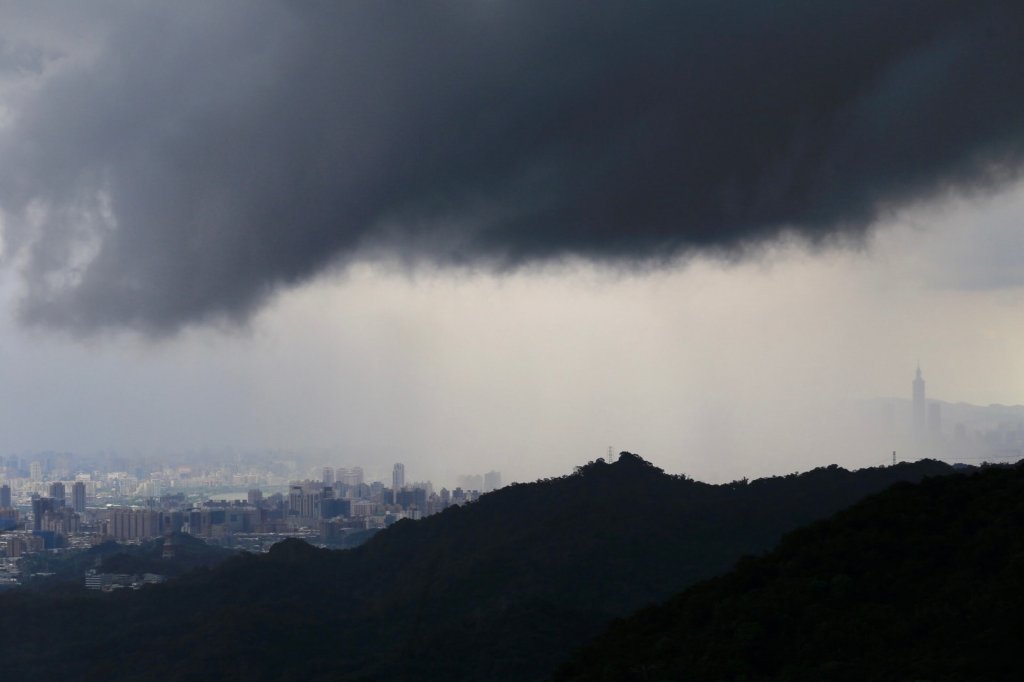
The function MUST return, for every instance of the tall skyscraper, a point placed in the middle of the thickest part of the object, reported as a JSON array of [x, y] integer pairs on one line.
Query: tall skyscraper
[[5, 496], [397, 481], [78, 497], [328, 477], [36, 471], [920, 414]]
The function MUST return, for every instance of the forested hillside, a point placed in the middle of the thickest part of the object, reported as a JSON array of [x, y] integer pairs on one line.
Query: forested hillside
[[921, 582], [502, 589]]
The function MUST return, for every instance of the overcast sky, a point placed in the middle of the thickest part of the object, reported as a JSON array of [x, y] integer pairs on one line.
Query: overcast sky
[[476, 235]]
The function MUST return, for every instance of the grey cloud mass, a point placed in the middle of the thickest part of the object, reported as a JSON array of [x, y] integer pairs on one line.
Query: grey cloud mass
[[202, 155]]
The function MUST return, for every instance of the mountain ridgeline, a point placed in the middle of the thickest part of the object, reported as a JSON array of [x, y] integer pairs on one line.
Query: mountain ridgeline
[[501, 589], [921, 582]]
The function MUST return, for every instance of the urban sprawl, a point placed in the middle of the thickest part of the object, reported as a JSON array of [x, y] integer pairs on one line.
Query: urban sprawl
[[49, 505]]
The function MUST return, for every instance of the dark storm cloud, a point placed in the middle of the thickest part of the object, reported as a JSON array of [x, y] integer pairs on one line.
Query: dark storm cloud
[[20, 59], [209, 154]]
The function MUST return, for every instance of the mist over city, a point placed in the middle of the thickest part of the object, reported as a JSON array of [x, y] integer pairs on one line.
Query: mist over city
[[365, 276]]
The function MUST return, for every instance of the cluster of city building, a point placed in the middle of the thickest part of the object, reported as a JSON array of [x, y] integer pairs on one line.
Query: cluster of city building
[[337, 508], [953, 432]]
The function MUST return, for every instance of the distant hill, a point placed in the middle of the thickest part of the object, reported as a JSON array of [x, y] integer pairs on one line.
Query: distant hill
[[112, 557], [921, 582], [500, 589]]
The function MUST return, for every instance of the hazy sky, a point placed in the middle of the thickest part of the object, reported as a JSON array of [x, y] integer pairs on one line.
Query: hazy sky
[[475, 235]]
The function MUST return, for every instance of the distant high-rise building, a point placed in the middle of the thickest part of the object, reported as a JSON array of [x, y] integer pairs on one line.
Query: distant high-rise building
[[40, 505], [36, 471], [349, 480], [5, 496], [57, 492], [471, 482], [132, 524], [78, 496], [254, 497], [935, 419], [397, 481], [328, 477], [294, 499], [492, 481], [919, 406], [354, 476], [304, 501]]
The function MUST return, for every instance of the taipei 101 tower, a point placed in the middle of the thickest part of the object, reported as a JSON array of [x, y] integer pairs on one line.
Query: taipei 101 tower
[[919, 407]]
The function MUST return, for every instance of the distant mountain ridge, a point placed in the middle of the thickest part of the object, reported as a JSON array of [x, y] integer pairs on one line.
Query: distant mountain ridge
[[1016, 408], [960, 410], [501, 589]]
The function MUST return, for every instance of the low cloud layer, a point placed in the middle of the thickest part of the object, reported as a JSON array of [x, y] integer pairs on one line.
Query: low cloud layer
[[186, 161]]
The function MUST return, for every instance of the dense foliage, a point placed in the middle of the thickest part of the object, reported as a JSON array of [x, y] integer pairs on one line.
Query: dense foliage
[[500, 590], [922, 582], [54, 570]]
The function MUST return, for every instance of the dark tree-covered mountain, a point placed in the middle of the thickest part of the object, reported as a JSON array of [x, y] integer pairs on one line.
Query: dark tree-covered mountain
[[112, 557], [921, 582], [501, 589]]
